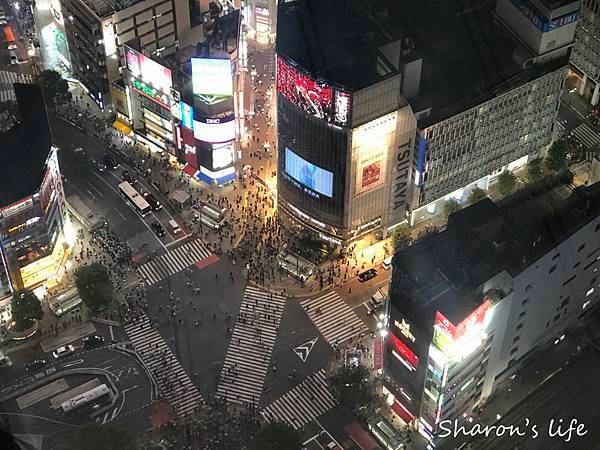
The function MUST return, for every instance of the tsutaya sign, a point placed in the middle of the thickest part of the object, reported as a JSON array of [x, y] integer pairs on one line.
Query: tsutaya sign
[[149, 92]]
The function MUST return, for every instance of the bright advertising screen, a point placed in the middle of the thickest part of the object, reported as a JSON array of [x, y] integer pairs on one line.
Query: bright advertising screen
[[316, 98], [307, 174], [222, 155], [149, 71], [212, 77], [215, 130]]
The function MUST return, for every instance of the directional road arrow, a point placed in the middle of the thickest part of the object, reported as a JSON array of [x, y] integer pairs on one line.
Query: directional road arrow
[[304, 350]]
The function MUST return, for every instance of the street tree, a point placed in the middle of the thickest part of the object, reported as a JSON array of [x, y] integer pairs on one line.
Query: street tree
[[94, 286], [534, 170], [55, 87], [557, 156], [102, 437], [8, 115], [451, 206], [26, 308], [352, 388], [476, 195], [507, 182], [401, 236], [277, 436]]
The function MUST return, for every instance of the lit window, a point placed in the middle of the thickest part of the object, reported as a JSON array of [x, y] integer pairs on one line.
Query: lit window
[[590, 292]]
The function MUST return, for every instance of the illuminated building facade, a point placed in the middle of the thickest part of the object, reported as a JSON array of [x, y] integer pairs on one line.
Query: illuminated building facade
[[346, 136], [469, 305], [33, 248], [586, 52]]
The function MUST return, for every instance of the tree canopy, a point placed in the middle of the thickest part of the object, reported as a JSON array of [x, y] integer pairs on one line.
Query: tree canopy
[[55, 87], [401, 236], [507, 182], [534, 170], [94, 286], [277, 436], [25, 309], [352, 388], [557, 156], [476, 195], [451, 206]]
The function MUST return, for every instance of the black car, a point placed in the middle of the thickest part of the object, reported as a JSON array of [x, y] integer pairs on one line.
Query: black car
[[156, 206], [367, 275], [110, 162], [34, 365], [99, 165], [158, 229], [92, 341], [126, 176]]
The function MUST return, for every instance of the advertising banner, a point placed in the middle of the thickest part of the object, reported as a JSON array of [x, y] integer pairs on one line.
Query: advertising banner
[[215, 130], [378, 353], [308, 174], [313, 96], [149, 71], [212, 77]]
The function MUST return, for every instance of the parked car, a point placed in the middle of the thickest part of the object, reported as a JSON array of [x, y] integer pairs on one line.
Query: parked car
[[158, 229], [110, 162], [63, 351], [92, 341], [367, 275], [126, 176], [34, 364], [154, 204], [99, 165]]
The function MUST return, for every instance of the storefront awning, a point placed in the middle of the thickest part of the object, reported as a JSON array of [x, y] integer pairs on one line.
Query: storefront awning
[[402, 412], [189, 170], [121, 127], [359, 435]]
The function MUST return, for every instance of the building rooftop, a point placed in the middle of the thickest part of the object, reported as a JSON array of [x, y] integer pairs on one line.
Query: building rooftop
[[337, 40], [444, 271], [104, 8], [467, 56], [25, 147]]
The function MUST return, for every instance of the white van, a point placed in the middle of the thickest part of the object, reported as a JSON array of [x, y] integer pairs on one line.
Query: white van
[[387, 263], [174, 226]]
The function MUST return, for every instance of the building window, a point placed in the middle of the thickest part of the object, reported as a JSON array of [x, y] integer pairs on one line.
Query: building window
[[556, 317], [565, 302], [519, 326], [528, 287], [516, 339], [555, 256], [514, 350], [552, 269], [590, 292], [524, 302], [581, 247], [522, 314], [569, 280], [576, 265], [598, 226]]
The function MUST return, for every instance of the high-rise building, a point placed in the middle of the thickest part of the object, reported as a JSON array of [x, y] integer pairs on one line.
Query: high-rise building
[[94, 32], [469, 305], [33, 248], [345, 133], [585, 57], [489, 91]]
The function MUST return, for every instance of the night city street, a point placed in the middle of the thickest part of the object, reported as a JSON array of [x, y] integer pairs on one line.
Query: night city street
[[299, 224]]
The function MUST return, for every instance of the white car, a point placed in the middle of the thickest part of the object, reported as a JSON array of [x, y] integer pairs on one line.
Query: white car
[[63, 351]]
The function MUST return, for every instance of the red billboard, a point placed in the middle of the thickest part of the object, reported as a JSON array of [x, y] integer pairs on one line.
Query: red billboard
[[378, 353], [404, 353], [456, 331], [313, 96]]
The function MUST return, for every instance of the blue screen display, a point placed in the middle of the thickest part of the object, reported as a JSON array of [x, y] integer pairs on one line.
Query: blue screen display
[[307, 174]]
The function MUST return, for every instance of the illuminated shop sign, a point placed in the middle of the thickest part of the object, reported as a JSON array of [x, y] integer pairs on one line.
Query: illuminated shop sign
[[108, 37], [404, 328], [149, 71], [313, 96], [187, 116], [215, 130], [261, 11], [308, 174], [175, 104], [212, 77], [403, 353], [543, 24], [150, 92]]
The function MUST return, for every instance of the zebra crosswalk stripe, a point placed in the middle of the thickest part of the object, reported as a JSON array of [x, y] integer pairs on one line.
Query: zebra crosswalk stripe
[[334, 319], [173, 261], [252, 341], [173, 382], [303, 403], [588, 137], [6, 76]]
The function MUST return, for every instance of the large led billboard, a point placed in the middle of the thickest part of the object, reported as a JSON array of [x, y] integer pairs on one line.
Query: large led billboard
[[149, 71], [223, 155], [313, 96], [212, 77], [307, 174], [215, 130]]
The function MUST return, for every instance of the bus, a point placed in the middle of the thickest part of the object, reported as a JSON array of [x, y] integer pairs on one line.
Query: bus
[[133, 197], [85, 398]]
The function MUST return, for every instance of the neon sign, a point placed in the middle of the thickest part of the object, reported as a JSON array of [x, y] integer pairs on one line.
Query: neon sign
[[149, 92]]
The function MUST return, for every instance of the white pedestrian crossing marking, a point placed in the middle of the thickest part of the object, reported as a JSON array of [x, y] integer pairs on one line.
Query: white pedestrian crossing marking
[[173, 261], [7, 78], [173, 382], [302, 404], [252, 340], [334, 319], [588, 137]]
